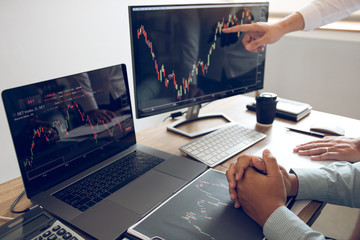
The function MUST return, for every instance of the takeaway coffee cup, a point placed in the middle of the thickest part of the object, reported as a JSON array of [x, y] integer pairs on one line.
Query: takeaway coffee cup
[[266, 107]]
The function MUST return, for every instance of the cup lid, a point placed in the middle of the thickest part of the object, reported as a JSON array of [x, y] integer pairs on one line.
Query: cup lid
[[266, 96]]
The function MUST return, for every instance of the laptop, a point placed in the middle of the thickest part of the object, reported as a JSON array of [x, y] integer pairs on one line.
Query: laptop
[[75, 144]]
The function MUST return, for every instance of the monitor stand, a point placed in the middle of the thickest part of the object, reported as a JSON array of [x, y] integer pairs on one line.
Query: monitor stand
[[193, 115]]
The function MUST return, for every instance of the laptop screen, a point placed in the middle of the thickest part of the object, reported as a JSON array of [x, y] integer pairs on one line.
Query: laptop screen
[[63, 126]]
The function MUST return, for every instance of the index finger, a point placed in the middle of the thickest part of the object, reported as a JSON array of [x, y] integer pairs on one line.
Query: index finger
[[246, 161], [243, 162], [271, 164], [230, 174], [322, 140], [240, 28]]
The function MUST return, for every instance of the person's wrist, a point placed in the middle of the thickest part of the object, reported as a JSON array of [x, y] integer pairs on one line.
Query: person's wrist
[[291, 23], [269, 211], [282, 27], [357, 143], [294, 182]]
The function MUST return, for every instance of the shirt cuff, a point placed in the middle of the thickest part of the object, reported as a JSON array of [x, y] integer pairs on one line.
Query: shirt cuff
[[307, 189], [284, 224], [312, 17]]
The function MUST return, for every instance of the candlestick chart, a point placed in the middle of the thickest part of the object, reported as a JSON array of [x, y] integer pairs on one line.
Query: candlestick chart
[[181, 84], [56, 120], [50, 132]]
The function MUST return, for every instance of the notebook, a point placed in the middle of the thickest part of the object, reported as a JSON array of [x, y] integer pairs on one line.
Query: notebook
[[288, 109], [80, 128]]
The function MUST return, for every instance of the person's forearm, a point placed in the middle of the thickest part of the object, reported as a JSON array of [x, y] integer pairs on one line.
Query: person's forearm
[[284, 224], [293, 22], [294, 185]]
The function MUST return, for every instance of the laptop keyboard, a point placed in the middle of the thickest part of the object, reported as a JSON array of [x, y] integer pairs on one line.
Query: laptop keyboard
[[90, 190]]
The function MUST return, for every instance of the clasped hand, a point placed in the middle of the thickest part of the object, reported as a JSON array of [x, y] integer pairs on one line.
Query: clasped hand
[[260, 185]]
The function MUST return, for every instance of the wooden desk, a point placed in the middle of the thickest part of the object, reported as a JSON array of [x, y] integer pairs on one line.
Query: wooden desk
[[279, 140]]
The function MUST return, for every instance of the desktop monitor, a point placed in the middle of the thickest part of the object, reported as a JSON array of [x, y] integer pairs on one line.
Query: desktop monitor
[[181, 57]]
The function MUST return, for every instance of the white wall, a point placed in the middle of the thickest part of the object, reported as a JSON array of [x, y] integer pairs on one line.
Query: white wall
[[44, 39], [319, 67]]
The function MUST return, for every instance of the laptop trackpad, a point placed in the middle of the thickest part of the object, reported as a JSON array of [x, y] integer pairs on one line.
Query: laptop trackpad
[[147, 191]]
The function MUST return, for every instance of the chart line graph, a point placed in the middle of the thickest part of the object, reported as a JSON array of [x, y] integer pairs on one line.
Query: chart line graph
[[182, 84]]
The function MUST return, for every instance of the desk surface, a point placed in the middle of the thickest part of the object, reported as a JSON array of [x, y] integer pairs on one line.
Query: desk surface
[[279, 140]]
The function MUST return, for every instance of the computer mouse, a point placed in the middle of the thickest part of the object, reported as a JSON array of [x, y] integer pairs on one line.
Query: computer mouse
[[328, 129]]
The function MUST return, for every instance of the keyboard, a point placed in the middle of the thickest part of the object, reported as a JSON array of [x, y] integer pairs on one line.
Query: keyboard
[[216, 147], [92, 189]]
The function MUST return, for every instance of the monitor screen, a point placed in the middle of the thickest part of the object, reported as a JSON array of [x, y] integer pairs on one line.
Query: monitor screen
[[182, 58]]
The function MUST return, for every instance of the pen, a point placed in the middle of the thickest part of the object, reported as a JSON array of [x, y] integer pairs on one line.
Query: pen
[[307, 132]]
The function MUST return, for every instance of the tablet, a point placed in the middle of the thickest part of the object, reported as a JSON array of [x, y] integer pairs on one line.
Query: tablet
[[201, 210]]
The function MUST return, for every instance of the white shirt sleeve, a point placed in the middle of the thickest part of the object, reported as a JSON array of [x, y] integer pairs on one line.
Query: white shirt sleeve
[[321, 12]]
